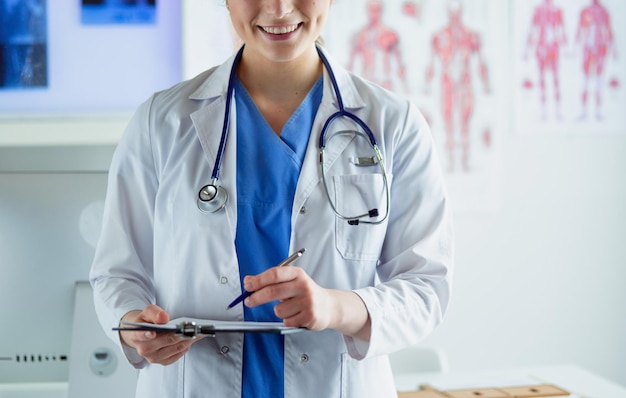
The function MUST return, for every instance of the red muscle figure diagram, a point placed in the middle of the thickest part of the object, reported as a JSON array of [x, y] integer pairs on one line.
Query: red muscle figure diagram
[[546, 36], [455, 46], [595, 36], [378, 48]]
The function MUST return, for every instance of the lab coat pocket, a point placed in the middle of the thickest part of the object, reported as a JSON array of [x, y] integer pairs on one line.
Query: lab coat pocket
[[356, 195]]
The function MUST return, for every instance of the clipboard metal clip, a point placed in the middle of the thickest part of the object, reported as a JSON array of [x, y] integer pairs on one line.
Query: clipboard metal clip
[[185, 329], [191, 330]]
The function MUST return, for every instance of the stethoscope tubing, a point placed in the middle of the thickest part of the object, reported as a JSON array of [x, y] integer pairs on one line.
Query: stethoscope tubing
[[229, 96], [342, 110], [220, 195]]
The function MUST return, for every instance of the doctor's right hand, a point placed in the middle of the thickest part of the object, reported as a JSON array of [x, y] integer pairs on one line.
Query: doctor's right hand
[[161, 348]]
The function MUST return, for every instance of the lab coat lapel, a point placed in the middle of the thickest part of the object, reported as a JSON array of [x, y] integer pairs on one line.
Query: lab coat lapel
[[208, 121], [310, 175]]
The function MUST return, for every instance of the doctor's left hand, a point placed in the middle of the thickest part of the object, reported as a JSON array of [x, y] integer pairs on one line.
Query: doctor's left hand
[[303, 303], [161, 348]]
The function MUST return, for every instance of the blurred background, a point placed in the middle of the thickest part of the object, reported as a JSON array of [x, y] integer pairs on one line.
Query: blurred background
[[530, 129]]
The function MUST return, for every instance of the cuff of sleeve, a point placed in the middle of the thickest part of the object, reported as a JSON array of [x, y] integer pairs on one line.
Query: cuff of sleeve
[[357, 348], [135, 359], [130, 353]]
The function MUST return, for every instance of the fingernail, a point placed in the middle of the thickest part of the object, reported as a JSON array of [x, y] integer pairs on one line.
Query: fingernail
[[246, 301]]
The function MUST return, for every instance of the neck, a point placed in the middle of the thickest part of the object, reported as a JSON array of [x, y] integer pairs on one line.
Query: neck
[[279, 81], [278, 88]]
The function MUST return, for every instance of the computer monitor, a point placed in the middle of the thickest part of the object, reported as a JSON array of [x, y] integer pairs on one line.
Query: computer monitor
[[51, 201]]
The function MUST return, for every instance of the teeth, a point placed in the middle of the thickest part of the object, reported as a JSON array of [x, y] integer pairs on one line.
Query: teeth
[[279, 30]]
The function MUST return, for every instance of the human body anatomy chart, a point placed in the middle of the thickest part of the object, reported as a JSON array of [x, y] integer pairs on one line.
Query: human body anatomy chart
[[442, 55], [569, 69]]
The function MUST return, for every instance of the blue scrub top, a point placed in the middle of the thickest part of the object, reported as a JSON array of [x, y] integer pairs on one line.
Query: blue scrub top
[[268, 167]]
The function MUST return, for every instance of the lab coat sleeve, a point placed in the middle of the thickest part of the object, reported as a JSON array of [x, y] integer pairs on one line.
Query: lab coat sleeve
[[121, 273], [415, 267]]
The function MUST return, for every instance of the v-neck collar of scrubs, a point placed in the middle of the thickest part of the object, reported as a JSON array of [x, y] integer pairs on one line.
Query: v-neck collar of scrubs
[[295, 133]]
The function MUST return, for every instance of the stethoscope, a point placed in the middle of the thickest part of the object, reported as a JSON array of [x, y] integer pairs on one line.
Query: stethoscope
[[212, 197]]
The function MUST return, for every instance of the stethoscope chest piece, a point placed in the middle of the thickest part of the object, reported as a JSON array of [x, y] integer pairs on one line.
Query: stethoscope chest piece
[[212, 198]]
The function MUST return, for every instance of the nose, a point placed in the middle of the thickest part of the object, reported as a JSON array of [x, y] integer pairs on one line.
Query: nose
[[278, 8]]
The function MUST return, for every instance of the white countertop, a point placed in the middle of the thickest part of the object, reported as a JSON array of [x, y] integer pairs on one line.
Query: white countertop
[[579, 382]]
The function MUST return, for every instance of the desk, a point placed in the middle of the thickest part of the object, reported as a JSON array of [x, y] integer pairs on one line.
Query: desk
[[579, 382]]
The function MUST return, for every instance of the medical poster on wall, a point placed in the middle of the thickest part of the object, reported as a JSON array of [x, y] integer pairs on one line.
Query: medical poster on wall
[[570, 68], [447, 57], [52, 64], [99, 12], [23, 44]]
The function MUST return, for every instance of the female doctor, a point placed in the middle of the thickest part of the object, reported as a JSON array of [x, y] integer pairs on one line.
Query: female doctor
[[302, 154]]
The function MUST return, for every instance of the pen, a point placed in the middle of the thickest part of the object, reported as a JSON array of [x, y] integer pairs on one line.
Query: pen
[[286, 261]]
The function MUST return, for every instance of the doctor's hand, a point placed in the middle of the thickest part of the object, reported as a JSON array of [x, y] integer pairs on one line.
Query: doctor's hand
[[303, 303], [161, 348]]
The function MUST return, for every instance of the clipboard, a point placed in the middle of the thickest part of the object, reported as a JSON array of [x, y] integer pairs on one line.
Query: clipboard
[[192, 328]]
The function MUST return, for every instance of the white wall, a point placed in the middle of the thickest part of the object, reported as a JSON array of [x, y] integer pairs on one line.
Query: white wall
[[541, 280]]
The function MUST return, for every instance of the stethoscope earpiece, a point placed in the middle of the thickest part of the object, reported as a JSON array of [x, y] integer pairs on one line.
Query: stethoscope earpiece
[[212, 198]]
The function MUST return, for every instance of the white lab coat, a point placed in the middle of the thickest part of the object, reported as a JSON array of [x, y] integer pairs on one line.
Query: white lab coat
[[157, 247]]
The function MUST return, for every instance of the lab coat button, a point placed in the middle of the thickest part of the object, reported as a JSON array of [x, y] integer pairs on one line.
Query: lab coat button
[[303, 210], [224, 280], [304, 358], [224, 350]]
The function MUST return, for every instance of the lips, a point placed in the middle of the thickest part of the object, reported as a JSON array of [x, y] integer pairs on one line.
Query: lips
[[280, 30]]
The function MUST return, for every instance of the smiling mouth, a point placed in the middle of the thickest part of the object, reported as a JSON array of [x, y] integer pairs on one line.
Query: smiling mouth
[[279, 30]]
